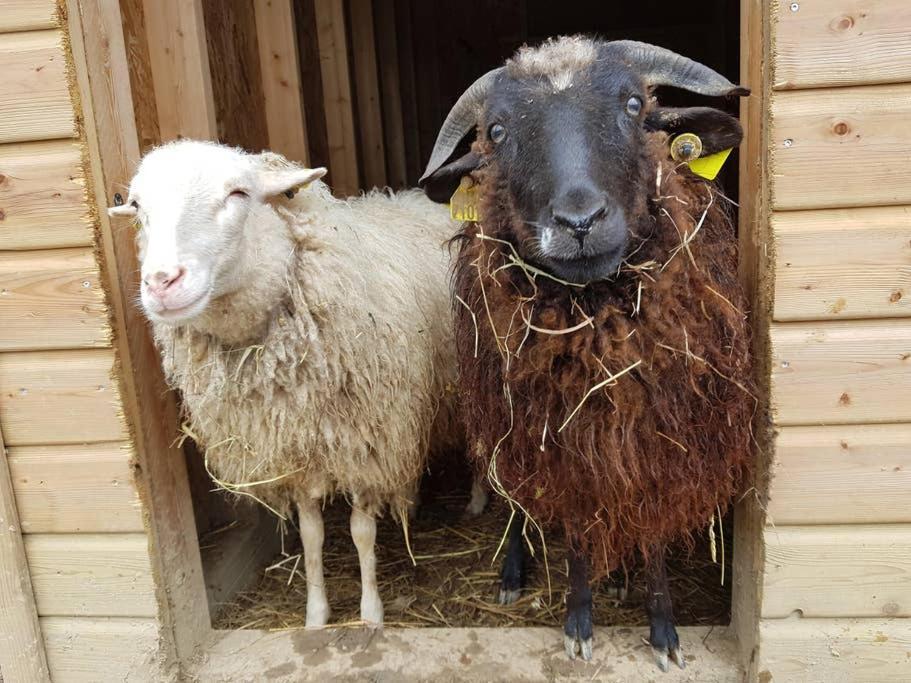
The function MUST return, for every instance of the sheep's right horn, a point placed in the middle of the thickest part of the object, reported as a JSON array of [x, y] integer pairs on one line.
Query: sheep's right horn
[[462, 118], [660, 66]]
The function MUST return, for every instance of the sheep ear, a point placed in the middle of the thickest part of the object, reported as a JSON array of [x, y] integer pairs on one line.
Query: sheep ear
[[287, 181], [718, 130], [123, 211], [440, 185]]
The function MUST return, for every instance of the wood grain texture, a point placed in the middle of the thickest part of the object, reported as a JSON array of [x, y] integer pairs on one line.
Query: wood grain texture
[[88, 650], [366, 80], [96, 575], [55, 397], [838, 571], [845, 263], [79, 488], [179, 63], [848, 147], [841, 372], [42, 192], [387, 57], [22, 655], [339, 111], [136, 43], [281, 81], [34, 98], [51, 299], [856, 474], [146, 402], [26, 15], [231, 40], [836, 650], [404, 33], [841, 42]]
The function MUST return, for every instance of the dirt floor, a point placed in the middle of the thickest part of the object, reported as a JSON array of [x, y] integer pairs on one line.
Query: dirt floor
[[455, 580]]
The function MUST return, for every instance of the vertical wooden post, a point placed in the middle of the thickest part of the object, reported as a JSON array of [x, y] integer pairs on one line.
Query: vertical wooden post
[[277, 39], [333, 57], [370, 119], [387, 55], [99, 56], [180, 68], [22, 656], [754, 269]]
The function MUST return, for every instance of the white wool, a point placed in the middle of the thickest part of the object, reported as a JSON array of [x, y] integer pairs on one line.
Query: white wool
[[328, 367]]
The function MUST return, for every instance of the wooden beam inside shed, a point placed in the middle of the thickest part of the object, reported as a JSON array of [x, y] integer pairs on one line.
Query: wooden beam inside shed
[[22, 656], [387, 55], [333, 56], [179, 63], [369, 119], [281, 81]]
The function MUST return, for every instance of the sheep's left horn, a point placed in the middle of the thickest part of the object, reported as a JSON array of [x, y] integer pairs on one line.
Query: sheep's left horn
[[461, 119], [660, 66]]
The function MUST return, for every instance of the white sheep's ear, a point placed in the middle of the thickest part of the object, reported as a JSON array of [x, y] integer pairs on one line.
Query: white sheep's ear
[[123, 211], [288, 181]]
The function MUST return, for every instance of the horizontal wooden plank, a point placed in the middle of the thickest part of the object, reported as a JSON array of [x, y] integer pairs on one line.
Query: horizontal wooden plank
[[34, 97], [841, 147], [42, 196], [51, 299], [57, 397], [87, 650], [26, 15], [850, 474], [75, 489], [834, 650], [841, 42], [842, 263], [859, 570], [841, 372], [91, 575]]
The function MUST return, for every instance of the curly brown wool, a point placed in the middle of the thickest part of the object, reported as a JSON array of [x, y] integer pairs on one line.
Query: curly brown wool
[[651, 456]]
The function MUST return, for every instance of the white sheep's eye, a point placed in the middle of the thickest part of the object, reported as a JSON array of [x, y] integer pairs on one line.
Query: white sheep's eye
[[634, 105], [237, 194], [497, 133]]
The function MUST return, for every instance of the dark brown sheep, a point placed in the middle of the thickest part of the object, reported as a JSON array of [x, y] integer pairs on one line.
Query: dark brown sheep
[[601, 330]]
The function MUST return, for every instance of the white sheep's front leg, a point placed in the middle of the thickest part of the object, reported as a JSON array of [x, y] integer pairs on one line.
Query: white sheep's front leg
[[312, 534], [363, 532]]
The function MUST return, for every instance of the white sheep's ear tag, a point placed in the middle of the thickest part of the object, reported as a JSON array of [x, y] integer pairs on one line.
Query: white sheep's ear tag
[[465, 201], [709, 167]]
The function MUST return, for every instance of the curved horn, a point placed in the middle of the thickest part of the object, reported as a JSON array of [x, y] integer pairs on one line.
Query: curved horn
[[462, 118], [660, 66]]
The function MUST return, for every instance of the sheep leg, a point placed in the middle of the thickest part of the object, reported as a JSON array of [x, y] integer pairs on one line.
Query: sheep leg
[[662, 633], [363, 533], [617, 585], [578, 630], [479, 496], [512, 574], [310, 519]]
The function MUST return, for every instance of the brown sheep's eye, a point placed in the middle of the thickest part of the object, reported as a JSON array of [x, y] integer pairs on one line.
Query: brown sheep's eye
[[497, 133], [634, 106]]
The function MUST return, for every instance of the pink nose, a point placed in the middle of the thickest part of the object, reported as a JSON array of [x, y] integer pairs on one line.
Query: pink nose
[[160, 281]]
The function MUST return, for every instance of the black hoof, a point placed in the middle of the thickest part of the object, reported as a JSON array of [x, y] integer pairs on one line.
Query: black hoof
[[512, 578], [665, 644], [577, 631]]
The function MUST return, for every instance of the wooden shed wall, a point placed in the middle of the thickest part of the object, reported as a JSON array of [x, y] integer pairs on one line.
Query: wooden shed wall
[[68, 450], [836, 580]]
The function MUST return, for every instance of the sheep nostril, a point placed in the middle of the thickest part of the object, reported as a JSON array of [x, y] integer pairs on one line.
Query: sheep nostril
[[579, 222]]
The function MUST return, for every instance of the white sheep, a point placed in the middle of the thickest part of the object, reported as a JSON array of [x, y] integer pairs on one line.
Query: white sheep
[[310, 337]]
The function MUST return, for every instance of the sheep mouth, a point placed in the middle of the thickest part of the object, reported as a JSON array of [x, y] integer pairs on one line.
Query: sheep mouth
[[181, 313], [585, 269]]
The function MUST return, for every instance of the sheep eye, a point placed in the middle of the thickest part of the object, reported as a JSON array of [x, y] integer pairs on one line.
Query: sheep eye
[[240, 194], [634, 106], [497, 133]]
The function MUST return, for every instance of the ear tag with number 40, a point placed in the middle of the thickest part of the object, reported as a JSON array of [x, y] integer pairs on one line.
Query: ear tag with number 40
[[463, 205]]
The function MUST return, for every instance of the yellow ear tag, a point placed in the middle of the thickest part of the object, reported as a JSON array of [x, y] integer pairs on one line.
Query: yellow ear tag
[[463, 205], [708, 167]]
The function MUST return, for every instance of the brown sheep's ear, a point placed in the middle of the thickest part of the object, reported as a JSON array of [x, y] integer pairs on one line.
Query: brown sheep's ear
[[717, 129], [443, 182]]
